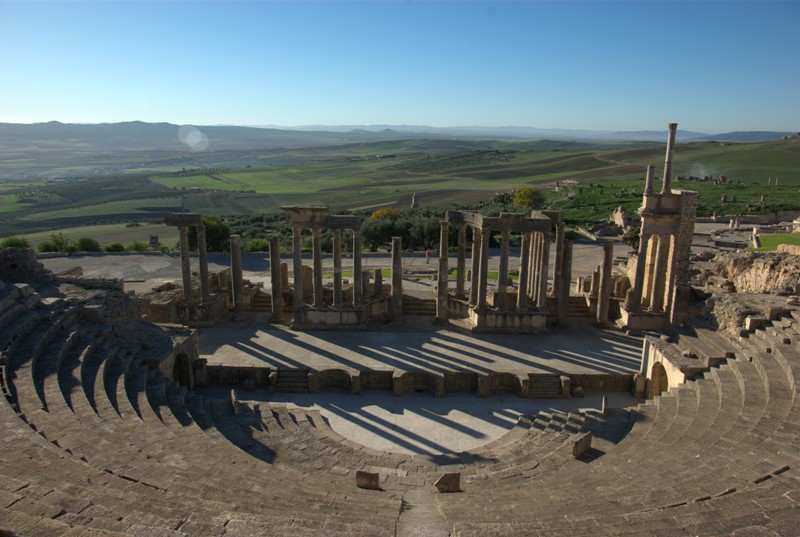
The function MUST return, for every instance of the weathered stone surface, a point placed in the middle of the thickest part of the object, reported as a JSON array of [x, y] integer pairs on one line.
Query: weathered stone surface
[[449, 482], [581, 443], [368, 480]]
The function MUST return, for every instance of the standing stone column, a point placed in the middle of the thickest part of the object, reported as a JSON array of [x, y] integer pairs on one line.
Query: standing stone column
[[566, 279], [533, 263], [502, 272], [604, 295], [559, 261], [357, 275], [297, 258], [203, 255], [659, 274], [544, 262], [524, 260], [186, 267], [337, 268], [483, 272], [316, 238], [442, 288], [236, 276], [648, 179], [276, 278], [475, 263], [635, 301], [461, 264], [397, 279]]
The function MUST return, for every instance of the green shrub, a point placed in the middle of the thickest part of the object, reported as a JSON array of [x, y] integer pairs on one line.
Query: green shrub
[[115, 247], [87, 244], [138, 246], [14, 242]]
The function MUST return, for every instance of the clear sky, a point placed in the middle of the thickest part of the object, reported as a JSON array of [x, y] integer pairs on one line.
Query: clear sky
[[713, 66]]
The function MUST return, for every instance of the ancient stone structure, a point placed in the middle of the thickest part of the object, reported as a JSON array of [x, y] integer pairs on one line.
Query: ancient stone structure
[[328, 308], [522, 311], [662, 261]]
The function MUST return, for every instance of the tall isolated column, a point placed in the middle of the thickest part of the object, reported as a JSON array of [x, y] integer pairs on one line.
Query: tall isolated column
[[357, 275], [444, 269], [276, 278], [666, 186], [532, 275], [604, 294], [186, 267], [648, 180], [237, 279], [337, 268], [316, 240], [397, 278], [524, 261], [461, 263], [475, 263], [297, 258], [502, 272]]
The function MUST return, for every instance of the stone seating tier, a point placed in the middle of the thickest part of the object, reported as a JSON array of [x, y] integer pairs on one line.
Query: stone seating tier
[[96, 442]]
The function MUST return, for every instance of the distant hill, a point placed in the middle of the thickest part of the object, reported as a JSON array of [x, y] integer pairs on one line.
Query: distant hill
[[746, 136], [140, 136], [137, 135]]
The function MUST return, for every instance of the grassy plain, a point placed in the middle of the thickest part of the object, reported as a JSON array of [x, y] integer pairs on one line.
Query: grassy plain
[[770, 243], [594, 179]]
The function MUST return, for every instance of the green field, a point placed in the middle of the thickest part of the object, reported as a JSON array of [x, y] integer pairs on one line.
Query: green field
[[594, 179], [769, 243], [108, 233]]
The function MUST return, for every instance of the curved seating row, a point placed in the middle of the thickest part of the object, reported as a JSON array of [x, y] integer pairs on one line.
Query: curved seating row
[[95, 440]]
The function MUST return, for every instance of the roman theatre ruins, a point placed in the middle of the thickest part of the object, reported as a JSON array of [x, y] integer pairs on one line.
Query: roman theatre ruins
[[517, 389]]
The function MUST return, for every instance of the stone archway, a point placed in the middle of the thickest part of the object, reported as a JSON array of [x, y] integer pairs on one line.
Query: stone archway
[[659, 382]]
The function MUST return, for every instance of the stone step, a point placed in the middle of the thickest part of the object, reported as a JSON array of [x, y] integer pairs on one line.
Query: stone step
[[545, 385], [292, 380]]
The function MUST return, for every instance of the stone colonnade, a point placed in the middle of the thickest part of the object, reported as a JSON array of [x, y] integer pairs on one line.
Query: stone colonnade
[[316, 219], [183, 221], [536, 231]]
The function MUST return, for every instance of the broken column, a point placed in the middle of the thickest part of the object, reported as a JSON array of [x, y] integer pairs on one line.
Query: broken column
[[476, 263]]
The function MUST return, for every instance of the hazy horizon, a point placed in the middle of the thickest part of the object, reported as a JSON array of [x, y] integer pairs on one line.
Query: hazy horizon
[[713, 67]]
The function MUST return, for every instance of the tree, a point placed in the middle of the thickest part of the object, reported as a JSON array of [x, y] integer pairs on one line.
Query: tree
[[386, 212], [115, 247], [529, 198], [217, 234], [631, 236], [14, 242], [56, 243], [87, 244]]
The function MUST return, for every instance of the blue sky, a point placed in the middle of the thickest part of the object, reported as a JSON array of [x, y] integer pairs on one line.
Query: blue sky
[[713, 66]]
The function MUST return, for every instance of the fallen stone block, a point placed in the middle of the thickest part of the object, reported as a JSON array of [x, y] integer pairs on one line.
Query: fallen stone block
[[368, 480], [449, 482]]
